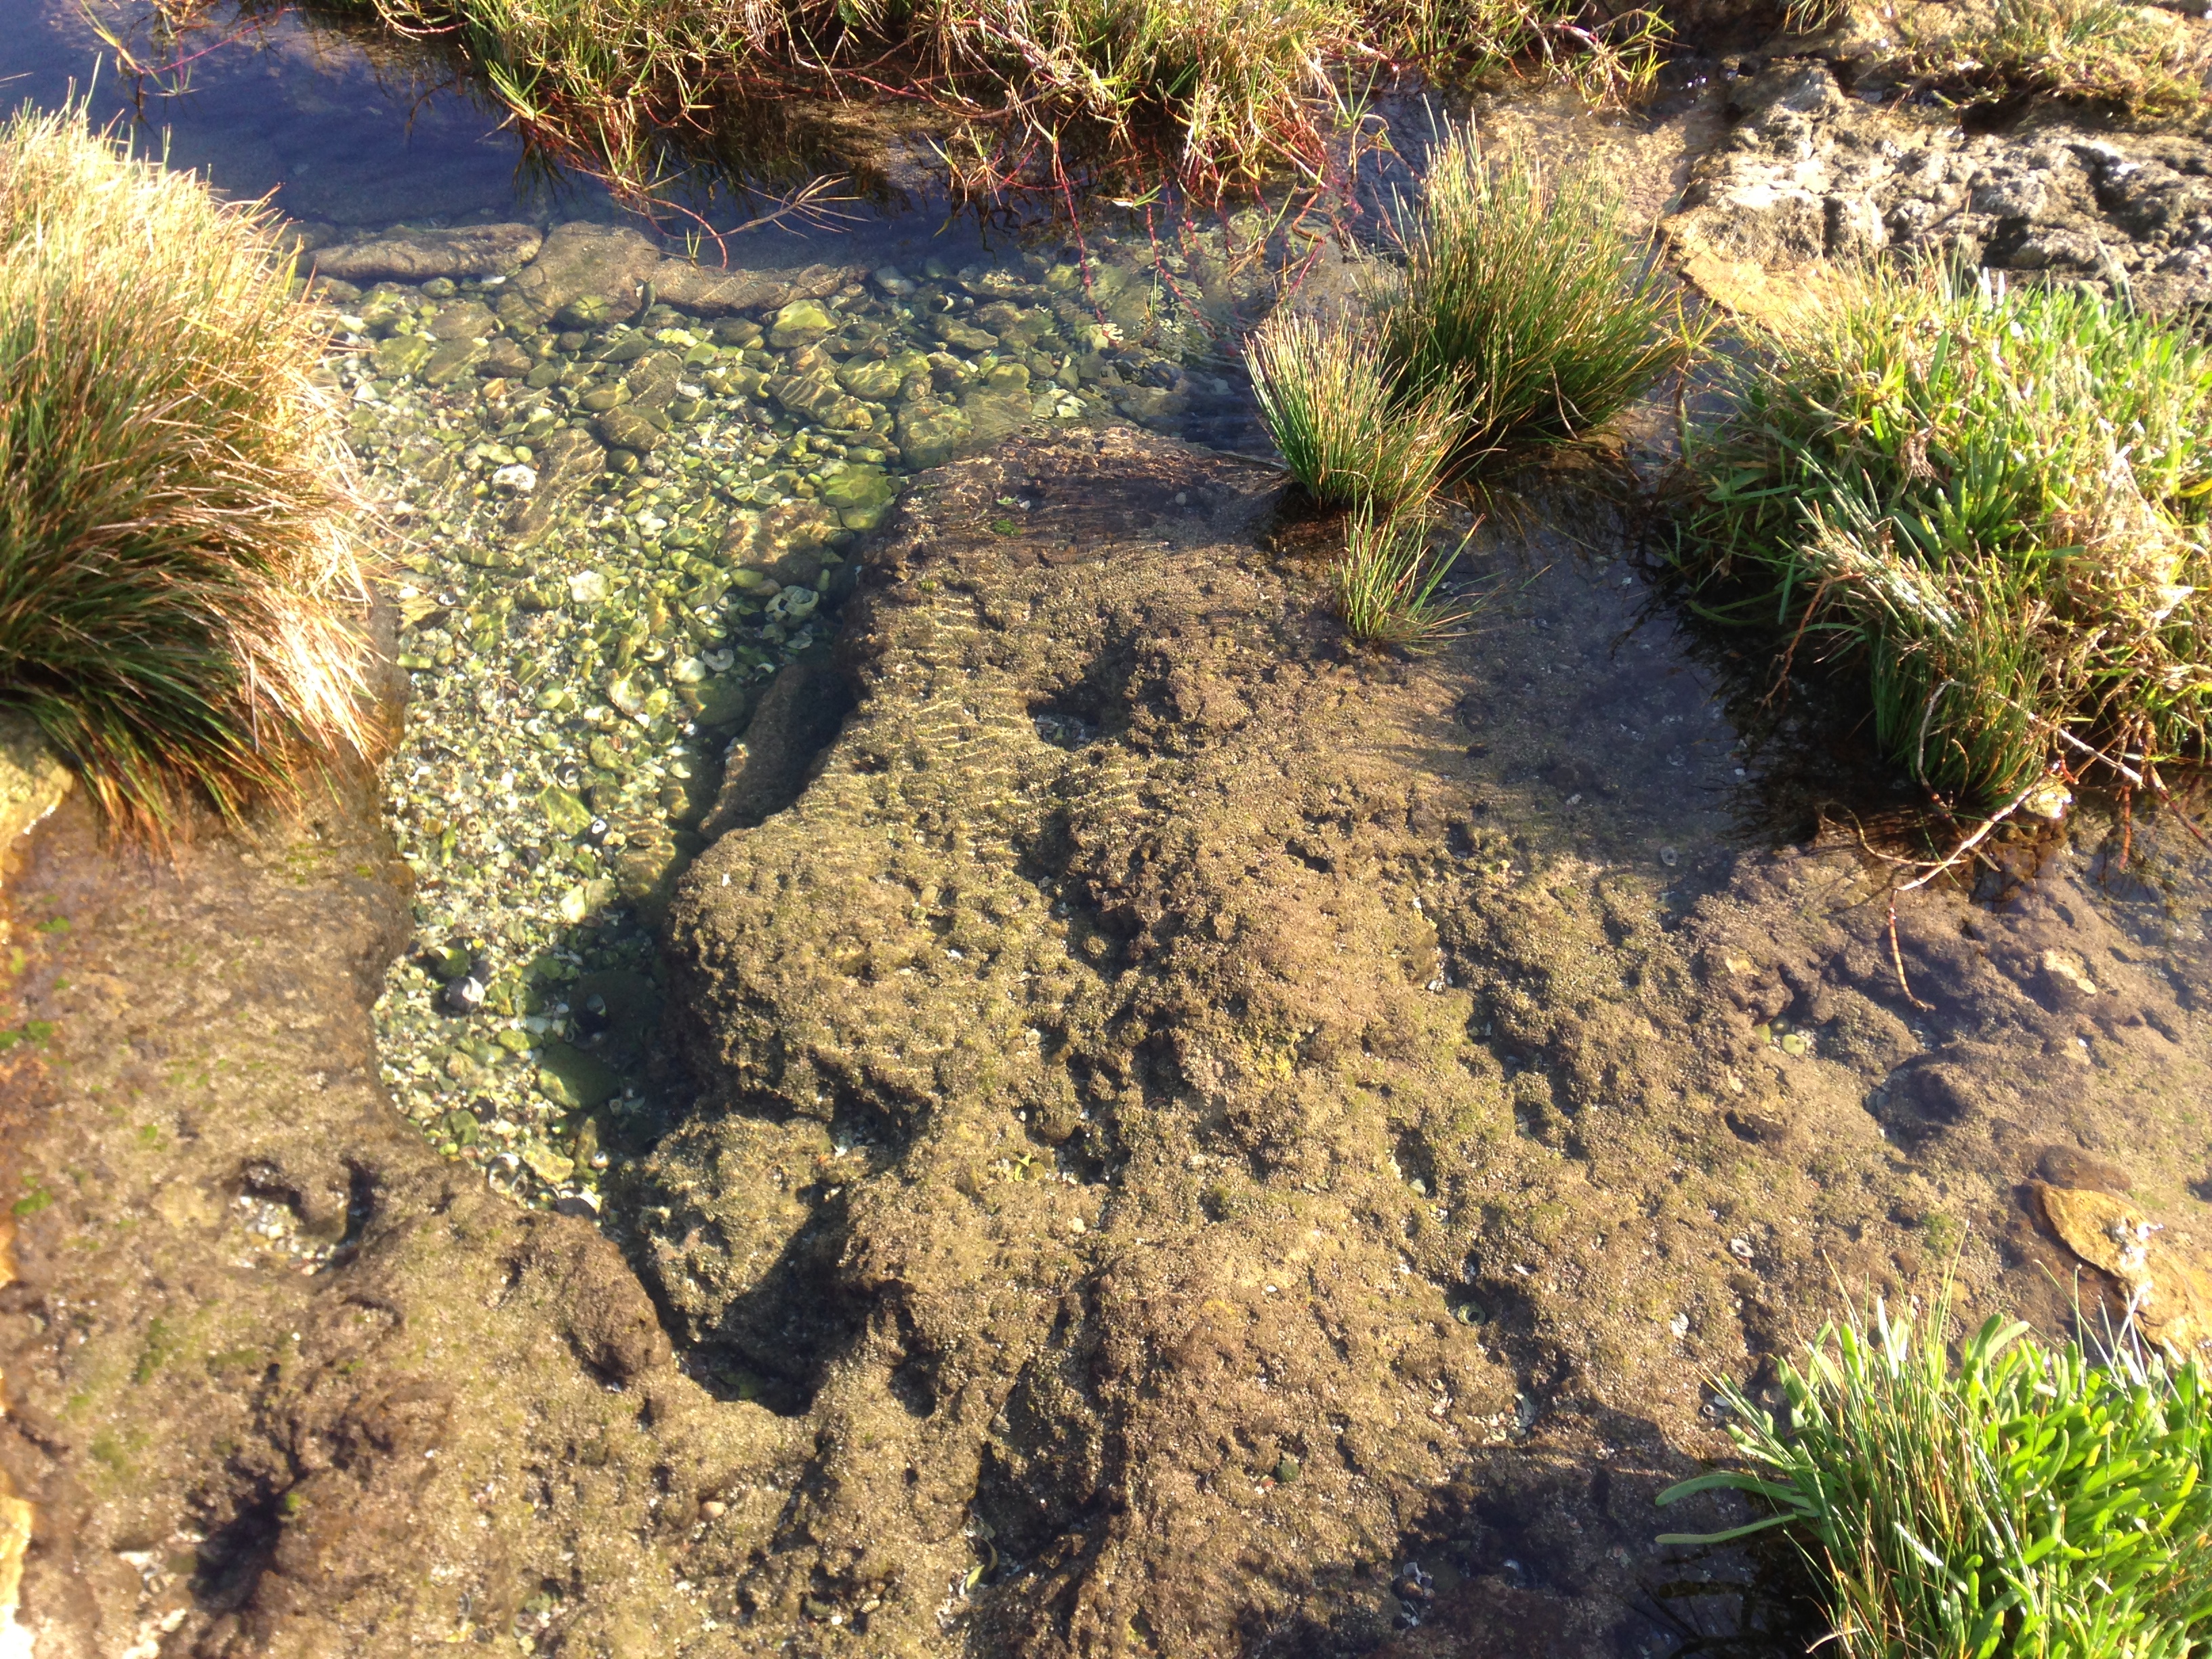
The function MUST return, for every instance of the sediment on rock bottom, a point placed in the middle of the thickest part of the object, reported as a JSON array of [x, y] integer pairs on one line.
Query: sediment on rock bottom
[[1444, 1086], [280, 1380], [1191, 1131]]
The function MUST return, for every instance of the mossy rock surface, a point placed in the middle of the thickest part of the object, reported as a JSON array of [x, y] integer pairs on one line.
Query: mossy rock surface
[[1220, 1041], [571, 1077], [1433, 1138]]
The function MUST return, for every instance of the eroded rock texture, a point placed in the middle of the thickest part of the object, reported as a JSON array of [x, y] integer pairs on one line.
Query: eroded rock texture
[[1190, 1130], [1808, 171]]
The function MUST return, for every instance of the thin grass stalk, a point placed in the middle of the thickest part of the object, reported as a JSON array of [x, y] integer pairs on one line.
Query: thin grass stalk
[[1391, 582]]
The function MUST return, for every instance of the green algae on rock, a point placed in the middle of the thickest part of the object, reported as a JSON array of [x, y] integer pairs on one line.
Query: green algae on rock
[[1335, 1220]]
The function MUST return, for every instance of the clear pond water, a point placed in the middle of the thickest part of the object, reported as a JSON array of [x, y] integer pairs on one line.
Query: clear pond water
[[576, 688], [336, 128], [611, 526]]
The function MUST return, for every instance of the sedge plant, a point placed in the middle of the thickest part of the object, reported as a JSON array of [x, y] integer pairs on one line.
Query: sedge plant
[[1390, 580], [1527, 296], [1525, 315], [1989, 501], [179, 586], [1610, 54], [2024, 1501], [1329, 403]]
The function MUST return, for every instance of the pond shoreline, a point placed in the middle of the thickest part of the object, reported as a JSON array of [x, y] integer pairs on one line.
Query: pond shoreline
[[1075, 1113]]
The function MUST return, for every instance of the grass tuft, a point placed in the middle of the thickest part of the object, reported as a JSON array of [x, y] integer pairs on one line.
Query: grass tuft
[[1391, 582], [1327, 398], [1525, 315], [2110, 51], [1216, 94], [2025, 1502], [1611, 56], [1992, 500], [176, 574], [1525, 293]]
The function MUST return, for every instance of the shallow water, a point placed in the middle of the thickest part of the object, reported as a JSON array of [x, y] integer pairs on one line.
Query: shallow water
[[334, 128], [580, 691], [575, 692]]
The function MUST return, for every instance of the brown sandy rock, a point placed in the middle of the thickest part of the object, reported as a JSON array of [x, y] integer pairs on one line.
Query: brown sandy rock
[[416, 256]]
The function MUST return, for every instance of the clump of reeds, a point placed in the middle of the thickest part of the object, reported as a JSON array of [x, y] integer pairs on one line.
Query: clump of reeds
[[1525, 293], [2027, 1502], [1217, 93], [1390, 580], [1526, 315], [177, 581], [1331, 404], [1214, 92], [1991, 502]]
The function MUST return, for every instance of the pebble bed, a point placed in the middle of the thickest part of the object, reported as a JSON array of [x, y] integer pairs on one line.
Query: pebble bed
[[614, 530]]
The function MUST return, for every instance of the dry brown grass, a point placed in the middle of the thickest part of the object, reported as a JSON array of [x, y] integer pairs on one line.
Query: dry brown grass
[[179, 588]]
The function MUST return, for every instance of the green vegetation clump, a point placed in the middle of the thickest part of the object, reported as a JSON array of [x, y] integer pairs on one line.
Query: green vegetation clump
[[1389, 582], [1526, 316], [2026, 1502], [1527, 296], [1992, 501], [177, 580], [2144, 60], [1330, 401], [1611, 58], [1215, 93]]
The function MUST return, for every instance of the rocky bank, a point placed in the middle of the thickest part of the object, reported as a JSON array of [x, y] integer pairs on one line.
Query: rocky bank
[[1821, 162]]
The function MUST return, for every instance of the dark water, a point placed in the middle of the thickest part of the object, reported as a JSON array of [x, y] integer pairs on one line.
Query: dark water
[[346, 129], [332, 124]]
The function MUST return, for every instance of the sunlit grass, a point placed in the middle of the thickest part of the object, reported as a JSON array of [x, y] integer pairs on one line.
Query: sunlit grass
[[1214, 94], [2024, 1501], [177, 581], [1524, 315], [1611, 55], [1327, 400], [2144, 60], [1990, 502], [1390, 580], [1525, 293]]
